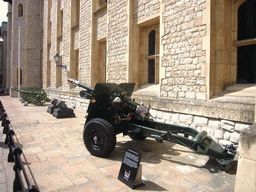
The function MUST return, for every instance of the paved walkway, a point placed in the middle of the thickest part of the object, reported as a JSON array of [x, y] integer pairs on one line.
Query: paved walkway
[[60, 162]]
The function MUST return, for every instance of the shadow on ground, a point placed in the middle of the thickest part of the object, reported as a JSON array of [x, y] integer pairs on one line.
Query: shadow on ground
[[154, 152]]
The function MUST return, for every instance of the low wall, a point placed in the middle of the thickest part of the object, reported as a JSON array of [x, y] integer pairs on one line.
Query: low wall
[[246, 172], [223, 131]]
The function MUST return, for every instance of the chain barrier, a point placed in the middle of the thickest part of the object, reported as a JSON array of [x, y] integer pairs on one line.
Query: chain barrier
[[21, 177]]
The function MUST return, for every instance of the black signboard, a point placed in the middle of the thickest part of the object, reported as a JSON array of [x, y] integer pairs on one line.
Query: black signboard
[[130, 172]]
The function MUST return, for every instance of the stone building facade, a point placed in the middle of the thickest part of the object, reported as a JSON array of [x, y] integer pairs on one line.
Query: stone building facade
[[187, 57], [24, 47], [3, 54]]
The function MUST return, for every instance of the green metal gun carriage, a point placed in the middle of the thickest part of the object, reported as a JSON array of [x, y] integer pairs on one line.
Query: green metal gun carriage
[[34, 95], [111, 111]]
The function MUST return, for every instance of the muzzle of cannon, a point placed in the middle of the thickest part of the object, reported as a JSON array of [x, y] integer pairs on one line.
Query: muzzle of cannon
[[87, 93], [34, 95]]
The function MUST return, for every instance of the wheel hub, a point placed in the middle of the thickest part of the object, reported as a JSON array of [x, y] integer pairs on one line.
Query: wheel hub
[[97, 138]]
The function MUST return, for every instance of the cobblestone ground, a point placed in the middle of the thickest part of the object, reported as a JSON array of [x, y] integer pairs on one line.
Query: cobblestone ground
[[59, 160]]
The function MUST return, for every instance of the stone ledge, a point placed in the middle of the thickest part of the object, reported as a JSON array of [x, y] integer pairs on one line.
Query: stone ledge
[[245, 177], [233, 109], [229, 108], [73, 93]]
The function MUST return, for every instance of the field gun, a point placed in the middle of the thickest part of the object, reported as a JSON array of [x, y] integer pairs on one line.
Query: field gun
[[112, 111], [34, 95]]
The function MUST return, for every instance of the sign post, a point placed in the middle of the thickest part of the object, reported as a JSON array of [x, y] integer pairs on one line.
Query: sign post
[[131, 170]]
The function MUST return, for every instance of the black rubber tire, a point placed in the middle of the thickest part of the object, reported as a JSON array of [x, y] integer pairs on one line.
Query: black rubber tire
[[99, 137]]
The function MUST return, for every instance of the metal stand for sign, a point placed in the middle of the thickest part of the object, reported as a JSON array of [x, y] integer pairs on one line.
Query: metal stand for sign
[[138, 178]]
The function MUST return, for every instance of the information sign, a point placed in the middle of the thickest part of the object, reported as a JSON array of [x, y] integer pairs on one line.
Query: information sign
[[130, 172]]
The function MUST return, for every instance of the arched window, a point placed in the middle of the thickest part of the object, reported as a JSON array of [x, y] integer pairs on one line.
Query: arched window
[[246, 54], [1, 80], [151, 51], [20, 10]]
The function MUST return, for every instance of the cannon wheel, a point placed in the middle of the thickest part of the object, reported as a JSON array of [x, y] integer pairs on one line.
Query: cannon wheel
[[40, 98], [99, 137]]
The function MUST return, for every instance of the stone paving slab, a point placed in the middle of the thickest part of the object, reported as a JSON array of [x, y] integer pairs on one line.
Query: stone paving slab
[[59, 160]]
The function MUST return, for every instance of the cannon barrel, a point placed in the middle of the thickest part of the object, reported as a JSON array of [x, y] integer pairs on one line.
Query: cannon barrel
[[73, 81]]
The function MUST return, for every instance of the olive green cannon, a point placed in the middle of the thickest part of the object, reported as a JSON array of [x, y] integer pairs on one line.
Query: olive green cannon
[[112, 111], [34, 95]]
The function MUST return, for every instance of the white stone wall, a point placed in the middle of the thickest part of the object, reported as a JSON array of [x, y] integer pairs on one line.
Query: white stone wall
[[72, 101], [117, 41], [224, 132], [181, 40], [30, 44], [85, 41], [101, 24], [183, 54], [145, 8]]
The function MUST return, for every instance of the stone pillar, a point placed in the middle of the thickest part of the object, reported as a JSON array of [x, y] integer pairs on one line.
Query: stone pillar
[[246, 177]]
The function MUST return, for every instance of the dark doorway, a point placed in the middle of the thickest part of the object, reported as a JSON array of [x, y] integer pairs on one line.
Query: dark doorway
[[151, 71], [246, 55], [151, 52], [1, 80]]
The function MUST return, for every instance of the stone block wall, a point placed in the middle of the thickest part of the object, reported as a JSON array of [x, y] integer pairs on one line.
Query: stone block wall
[[144, 9], [224, 132], [79, 37], [3, 53], [29, 43], [71, 99], [183, 54], [246, 177], [85, 41], [183, 59], [117, 41], [101, 24]]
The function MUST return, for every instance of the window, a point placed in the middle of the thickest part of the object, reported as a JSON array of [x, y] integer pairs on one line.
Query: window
[[99, 5], [100, 62], [151, 52], [59, 20], [232, 46], [20, 10], [74, 66], [1, 80], [151, 47], [246, 36], [48, 68], [102, 2]]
